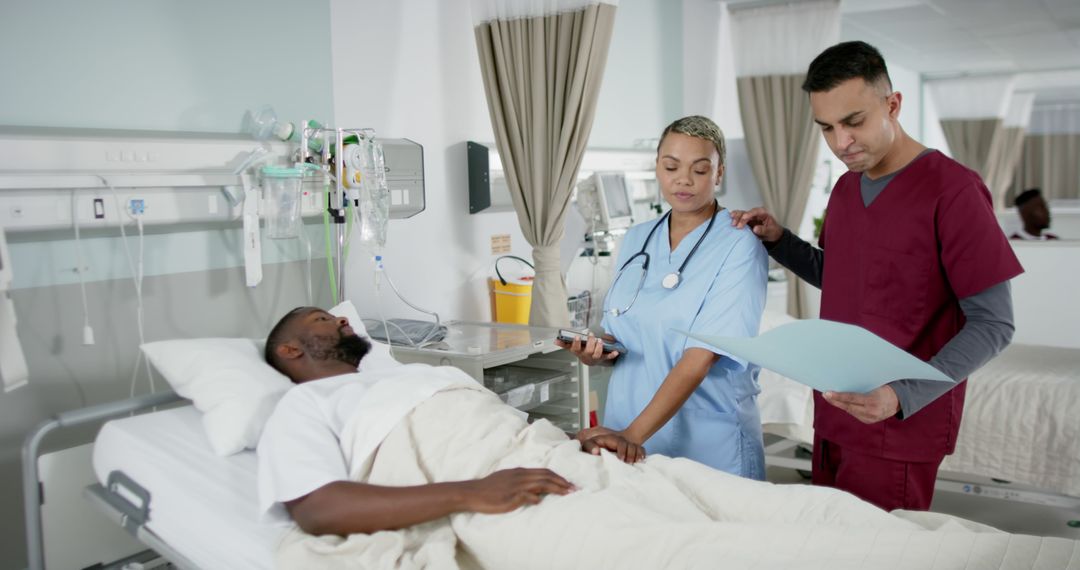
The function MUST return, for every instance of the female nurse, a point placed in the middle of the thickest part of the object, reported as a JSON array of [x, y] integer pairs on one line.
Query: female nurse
[[685, 271]]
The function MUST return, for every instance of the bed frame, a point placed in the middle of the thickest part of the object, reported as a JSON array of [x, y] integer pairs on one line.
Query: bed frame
[[777, 455], [114, 498]]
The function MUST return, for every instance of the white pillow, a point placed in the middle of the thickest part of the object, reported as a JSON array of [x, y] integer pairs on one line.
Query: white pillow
[[379, 358], [229, 382]]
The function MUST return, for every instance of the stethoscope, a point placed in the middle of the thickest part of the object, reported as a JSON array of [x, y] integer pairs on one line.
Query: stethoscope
[[671, 280]]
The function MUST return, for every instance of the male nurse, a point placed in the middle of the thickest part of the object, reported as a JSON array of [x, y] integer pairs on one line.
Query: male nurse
[[915, 255]]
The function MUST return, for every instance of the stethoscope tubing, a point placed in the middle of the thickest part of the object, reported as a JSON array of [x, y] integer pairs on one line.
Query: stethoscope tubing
[[645, 265]]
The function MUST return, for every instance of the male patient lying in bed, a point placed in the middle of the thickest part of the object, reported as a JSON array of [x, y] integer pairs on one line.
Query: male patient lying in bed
[[301, 462], [421, 467]]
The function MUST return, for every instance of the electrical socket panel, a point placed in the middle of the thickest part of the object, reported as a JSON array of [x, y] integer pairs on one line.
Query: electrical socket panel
[[28, 210]]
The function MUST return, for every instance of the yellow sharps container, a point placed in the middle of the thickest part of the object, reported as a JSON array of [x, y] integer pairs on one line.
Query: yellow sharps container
[[511, 296]]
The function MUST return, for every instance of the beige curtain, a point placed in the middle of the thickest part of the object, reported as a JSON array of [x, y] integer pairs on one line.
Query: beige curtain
[[1051, 163], [978, 144], [1001, 171], [542, 78], [783, 147]]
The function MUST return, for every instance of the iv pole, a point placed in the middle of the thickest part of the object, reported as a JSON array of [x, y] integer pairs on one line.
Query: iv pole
[[336, 199]]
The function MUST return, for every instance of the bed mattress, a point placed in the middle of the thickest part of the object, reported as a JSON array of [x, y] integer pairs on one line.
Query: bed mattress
[[202, 505], [1022, 419]]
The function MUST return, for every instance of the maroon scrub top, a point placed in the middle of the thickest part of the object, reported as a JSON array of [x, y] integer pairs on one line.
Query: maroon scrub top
[[897, 268]]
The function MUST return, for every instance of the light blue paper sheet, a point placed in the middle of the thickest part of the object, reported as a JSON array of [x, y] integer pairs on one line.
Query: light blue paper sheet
[[827, 356]]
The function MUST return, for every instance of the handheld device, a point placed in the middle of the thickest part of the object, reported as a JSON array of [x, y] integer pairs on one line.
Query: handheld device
[[568, 335]]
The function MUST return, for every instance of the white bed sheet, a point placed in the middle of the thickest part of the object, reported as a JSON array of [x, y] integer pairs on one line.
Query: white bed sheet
[[1021, 418], [202, 505]]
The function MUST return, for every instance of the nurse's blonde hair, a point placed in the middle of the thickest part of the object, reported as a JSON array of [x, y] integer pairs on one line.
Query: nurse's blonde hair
[[699, 127]]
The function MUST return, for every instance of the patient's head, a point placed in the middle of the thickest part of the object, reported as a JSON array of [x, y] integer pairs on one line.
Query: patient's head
[[309, 343], [1033, 211]]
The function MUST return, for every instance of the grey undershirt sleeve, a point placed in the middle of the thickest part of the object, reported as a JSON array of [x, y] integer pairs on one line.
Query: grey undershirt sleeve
[[799, 256], [988, 329]]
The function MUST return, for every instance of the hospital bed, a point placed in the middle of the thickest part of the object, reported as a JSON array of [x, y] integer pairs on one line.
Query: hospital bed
[[161, 481], [1020, 426]]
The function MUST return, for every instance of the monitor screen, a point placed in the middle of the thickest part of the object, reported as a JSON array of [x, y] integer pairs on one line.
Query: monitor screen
[[616, 197]]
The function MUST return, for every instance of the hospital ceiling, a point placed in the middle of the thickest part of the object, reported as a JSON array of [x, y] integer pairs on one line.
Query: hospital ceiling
[[944, 38]]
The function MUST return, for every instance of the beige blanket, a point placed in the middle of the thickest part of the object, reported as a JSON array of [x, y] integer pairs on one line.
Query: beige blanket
[[664, 513]]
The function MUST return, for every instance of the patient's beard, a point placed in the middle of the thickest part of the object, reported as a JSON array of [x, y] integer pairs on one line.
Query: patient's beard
[[349, 349]]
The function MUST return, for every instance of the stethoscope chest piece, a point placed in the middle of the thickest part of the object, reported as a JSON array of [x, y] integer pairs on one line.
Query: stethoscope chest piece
[[671, 280]]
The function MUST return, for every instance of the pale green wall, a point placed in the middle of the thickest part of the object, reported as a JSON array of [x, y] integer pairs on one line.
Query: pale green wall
[[162, 64], [193, 65]]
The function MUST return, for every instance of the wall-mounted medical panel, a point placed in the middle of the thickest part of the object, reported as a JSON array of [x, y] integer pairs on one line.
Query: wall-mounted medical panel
[[404, 176], [51, 177]]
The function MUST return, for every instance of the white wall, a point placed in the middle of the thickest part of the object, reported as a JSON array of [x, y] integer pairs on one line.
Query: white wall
[[410, 69], [1044, 296], [933, 134], [425, 84], [643, 80], [909, 84]]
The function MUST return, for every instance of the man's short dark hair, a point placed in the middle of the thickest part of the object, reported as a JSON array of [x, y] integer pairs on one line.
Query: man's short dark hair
[[1026, 196], [279, 335], [844, 61]]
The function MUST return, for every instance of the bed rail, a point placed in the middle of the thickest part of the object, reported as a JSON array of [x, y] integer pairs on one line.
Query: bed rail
[[133, 517], [32, 492]]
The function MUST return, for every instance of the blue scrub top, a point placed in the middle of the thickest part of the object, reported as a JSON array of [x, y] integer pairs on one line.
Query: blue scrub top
[[722, 293]]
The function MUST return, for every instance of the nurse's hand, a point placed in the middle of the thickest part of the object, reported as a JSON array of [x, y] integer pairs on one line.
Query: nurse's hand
[[761, 222], [870, 408], [590, 352], [594, 439]]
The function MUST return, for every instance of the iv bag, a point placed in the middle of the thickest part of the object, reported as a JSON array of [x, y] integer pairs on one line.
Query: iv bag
[[263, 122], [374, 194]]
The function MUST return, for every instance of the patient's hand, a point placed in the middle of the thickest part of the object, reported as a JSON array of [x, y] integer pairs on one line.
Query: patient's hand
[[597, 438], [506, 490]]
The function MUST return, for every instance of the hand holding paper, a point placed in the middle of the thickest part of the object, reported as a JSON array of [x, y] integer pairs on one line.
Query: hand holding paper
[[827, 356]]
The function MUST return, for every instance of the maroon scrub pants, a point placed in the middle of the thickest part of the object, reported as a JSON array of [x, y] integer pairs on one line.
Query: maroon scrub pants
[[883, 482]]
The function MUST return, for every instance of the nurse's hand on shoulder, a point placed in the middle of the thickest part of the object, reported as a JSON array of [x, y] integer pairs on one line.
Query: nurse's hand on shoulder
[[590, 352], [761, 222], [597, 438], [875, 406]]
